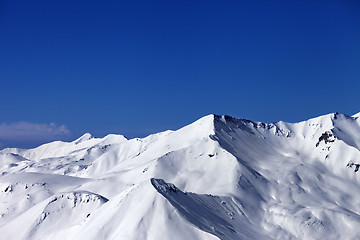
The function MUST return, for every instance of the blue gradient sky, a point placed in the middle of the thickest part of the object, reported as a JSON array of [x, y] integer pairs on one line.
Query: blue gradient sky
[[138, 67]]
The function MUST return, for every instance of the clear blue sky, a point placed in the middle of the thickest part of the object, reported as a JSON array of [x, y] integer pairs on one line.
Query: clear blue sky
[[138, 67]]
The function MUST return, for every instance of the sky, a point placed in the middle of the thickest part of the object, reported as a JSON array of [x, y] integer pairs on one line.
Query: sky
[[140, 67]]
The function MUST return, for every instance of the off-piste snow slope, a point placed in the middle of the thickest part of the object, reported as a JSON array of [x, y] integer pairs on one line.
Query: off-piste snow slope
[[217, 178]]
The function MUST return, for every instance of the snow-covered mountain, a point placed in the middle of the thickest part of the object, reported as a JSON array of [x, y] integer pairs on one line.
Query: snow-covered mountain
[[217, 178]]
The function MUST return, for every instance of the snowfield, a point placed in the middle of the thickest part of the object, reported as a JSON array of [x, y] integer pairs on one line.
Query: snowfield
[[217, 178]]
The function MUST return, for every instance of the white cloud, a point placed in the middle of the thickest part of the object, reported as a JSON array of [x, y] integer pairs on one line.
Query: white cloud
[[27, 132]]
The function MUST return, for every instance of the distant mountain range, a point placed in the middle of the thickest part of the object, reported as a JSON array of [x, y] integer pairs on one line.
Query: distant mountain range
[[217, 178]]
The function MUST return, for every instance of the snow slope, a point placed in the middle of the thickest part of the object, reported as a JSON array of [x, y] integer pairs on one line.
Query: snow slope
[[217, 178]]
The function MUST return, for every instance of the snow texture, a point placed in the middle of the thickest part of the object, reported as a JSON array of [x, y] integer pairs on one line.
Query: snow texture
[[217, 178]]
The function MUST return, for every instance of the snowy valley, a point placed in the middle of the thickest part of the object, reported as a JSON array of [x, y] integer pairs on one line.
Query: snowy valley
[[217, 178]]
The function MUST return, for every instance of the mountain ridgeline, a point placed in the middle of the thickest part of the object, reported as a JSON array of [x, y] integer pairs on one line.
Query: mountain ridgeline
[[217, 178]]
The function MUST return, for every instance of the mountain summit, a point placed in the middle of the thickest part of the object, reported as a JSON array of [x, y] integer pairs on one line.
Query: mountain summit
[[217, 178]]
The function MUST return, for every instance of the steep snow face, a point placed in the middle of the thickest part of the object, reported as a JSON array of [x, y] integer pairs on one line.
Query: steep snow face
[[299, 174], [217, 178]]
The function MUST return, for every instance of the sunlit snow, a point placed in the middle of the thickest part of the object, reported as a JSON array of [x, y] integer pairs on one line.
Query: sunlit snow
[[217, 178]]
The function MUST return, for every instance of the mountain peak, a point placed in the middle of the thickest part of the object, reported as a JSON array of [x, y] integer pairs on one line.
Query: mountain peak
[[204, 125], [219, 177], [83, 138]]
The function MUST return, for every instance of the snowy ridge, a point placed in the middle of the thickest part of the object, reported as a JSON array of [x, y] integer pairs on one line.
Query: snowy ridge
[[217, 178]]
